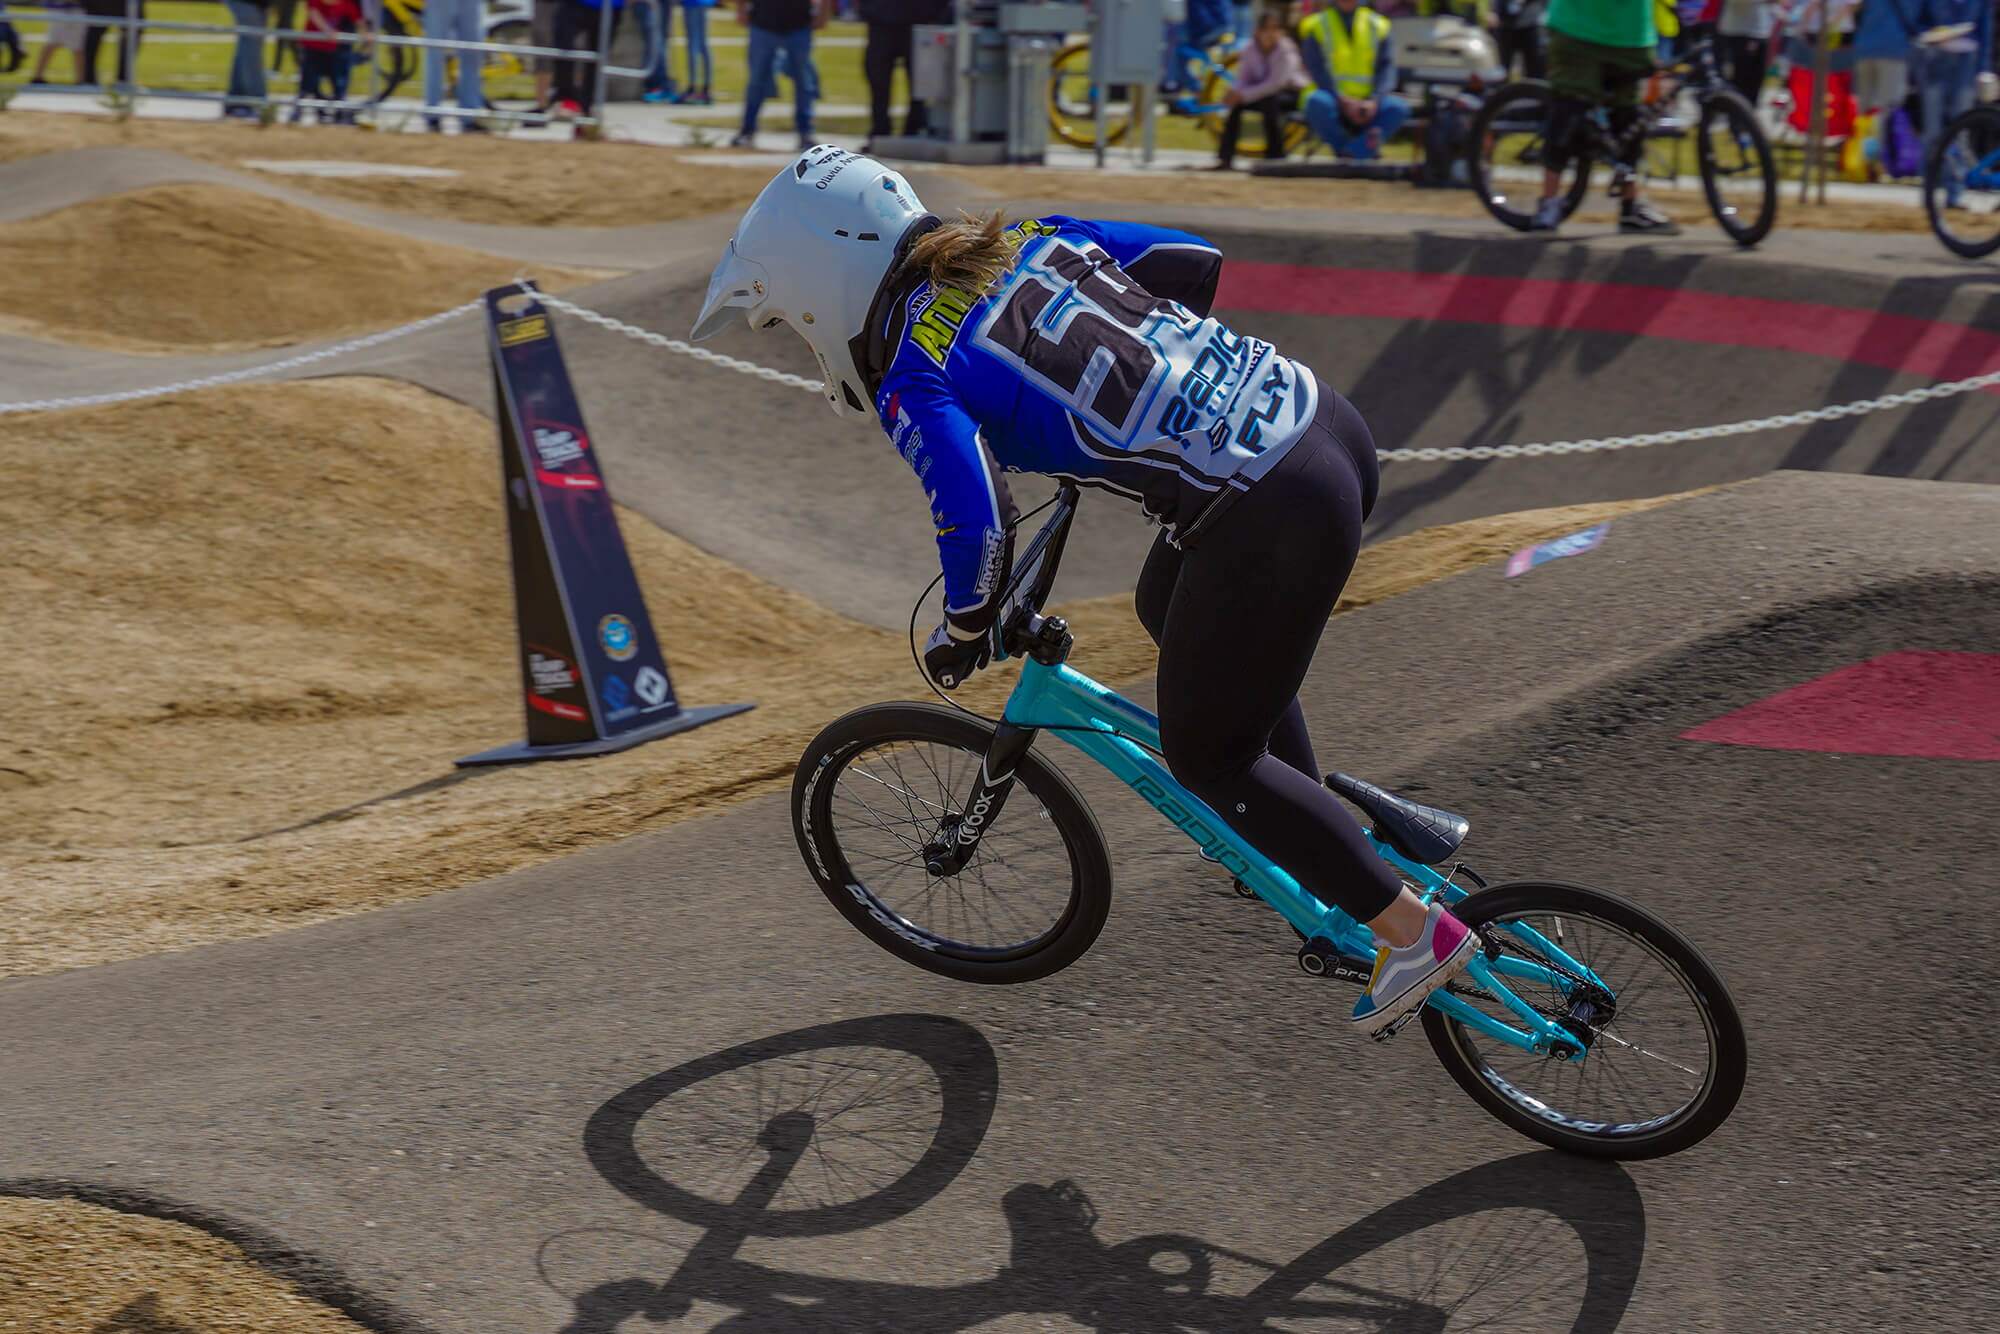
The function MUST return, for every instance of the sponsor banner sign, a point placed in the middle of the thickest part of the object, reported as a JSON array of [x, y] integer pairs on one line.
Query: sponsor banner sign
[[1575, 544], [591, 665]]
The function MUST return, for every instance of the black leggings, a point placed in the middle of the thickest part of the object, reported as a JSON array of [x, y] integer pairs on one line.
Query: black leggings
[[888, 43], [1237, 616]]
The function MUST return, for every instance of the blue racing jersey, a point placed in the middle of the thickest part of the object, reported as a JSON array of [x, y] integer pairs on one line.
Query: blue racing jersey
[[1093, 359]]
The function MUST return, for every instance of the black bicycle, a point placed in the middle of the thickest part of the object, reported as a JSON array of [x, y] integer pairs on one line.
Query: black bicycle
[[1962, 183], [1687, 98]]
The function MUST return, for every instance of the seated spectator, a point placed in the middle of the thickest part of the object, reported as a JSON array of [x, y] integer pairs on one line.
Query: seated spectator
[[1269, 75], [1353, 106], [325, 61]]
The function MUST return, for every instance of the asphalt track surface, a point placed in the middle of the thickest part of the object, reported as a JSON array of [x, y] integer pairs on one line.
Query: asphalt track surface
[[1441, 332], [529, 1104]]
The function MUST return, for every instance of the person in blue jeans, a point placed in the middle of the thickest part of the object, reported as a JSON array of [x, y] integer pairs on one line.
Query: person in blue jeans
[[780, 26], [656, 21], [1353, 106], [453, 21], [700, 65], [1946, 64], [246, 69]]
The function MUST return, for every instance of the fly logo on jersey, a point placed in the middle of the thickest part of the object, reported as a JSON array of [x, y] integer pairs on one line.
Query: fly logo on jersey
[[936, 328]]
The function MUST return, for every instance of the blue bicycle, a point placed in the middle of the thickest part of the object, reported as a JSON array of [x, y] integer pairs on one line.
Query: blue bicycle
[[1585, 1023], [1962, 184]]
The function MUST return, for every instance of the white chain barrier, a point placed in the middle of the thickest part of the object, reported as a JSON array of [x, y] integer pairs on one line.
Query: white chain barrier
[[247, 372], [1445, 454]]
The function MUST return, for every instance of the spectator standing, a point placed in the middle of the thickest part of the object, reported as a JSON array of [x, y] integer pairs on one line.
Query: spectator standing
[[1517, 28], [1269, 76], [656, 20], [1885, 42], [780, 26], [324, 60], [12, 54], [1954, 44], [1744, 34], [891, 24], [454, 21], [577, 25], [1348, 55], [65, 33], [246, 69], [95, 35], [700, 65], [1599, 52]]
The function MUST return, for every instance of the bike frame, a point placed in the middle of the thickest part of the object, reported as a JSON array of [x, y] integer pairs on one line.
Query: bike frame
[[1125, 739]]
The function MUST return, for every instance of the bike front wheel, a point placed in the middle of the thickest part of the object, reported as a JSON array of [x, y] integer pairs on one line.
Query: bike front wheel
[[1072, 115], [1737, 173], [881, 792], [1509, 151], [1962, 184], [1665, 1055]]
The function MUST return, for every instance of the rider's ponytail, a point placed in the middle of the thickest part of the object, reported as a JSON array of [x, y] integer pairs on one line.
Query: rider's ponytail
[[971, 254]]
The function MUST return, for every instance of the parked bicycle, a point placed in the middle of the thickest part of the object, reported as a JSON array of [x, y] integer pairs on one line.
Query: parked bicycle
[[1962, 183], [1209, 70], [501, 75], [1585, 1022], [1689, 96]]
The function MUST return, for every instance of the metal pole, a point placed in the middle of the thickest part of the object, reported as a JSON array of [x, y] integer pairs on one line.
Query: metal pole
[[603, 73], [128, 47], [1816, 133]]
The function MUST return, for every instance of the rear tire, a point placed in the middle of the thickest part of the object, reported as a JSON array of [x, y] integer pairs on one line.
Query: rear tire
[[1725, 1054], [1969, 142], [1509, 142], [1058, 867]]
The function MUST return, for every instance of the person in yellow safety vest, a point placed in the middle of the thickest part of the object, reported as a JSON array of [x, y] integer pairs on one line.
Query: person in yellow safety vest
[[1353, 105]]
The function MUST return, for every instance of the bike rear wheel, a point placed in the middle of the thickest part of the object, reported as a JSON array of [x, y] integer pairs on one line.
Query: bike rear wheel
[[1070, 112], [1962, 184], [1509, 146], [1737, 173], [881, 790], [1660, 1073]]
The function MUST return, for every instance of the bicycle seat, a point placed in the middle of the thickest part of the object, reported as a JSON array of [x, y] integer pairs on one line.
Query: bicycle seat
[[1425, 834]]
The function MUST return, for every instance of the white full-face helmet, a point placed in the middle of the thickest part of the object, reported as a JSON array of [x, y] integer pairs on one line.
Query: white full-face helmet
[[812, 251]]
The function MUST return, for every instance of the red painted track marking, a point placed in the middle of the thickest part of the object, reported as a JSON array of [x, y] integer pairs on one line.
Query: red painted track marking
[[1933, 349], [1938, 705]]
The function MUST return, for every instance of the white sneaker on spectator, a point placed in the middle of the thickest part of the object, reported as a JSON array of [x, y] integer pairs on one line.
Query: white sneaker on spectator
[[743, 141], [1548, 215]]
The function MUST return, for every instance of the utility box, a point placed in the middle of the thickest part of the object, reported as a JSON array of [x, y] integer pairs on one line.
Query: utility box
[[1128, 42], [985, 79]]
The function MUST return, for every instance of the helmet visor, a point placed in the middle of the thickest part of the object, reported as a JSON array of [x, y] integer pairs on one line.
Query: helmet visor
[[738, 284]]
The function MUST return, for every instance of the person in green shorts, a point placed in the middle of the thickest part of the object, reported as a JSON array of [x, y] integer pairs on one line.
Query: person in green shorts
[[1600, 51]]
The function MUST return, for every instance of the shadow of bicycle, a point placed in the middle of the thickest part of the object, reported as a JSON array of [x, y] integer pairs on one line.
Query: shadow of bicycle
[[838, 1128]]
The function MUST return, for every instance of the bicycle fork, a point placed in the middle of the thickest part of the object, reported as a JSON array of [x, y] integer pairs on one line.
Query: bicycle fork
[[959, 831]]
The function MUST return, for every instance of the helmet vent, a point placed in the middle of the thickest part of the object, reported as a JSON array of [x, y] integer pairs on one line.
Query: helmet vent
[[869, 236], [852, 401], [840, 231]]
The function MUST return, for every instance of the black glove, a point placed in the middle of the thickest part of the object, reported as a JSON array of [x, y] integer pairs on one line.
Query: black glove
[[949, 661]]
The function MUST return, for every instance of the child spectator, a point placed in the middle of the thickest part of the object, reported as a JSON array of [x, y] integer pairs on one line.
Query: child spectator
[[65, 34], [694, 22], [1269, 75], [324, 61]]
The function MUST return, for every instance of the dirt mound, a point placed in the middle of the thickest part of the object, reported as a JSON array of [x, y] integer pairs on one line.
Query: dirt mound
[[67, 1265], [260, 621], [499, 180], [182, 267]]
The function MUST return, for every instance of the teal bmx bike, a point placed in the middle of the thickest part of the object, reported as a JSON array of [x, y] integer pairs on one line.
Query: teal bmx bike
[[1585, 1022]]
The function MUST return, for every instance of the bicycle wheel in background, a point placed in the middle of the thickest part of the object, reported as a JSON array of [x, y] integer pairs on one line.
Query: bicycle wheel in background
[[877, 798], [1666, 1054], [1219, 79], [1962, 184], [1508, 148], [1737, 173], [506, 76], [1070, 114], [393, 64]]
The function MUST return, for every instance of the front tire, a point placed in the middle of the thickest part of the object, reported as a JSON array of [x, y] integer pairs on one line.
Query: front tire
[[882, 786], [1509, 145], [1696, 1058], [1737, 173]]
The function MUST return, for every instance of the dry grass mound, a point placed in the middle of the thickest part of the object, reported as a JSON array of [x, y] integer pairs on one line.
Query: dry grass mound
[[517, 182], [185, 267], [66, 1265], [253, 625]]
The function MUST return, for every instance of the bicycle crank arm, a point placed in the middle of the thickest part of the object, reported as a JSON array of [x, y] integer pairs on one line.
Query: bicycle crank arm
[[958, 837]]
